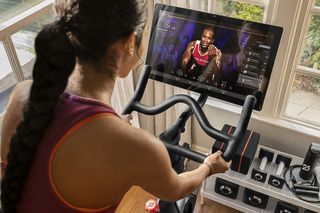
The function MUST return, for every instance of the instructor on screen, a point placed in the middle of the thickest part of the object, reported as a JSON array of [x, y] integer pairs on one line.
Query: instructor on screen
[[201, 60]]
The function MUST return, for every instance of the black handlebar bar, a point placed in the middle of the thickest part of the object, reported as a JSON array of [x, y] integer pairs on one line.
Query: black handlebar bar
[[233, 140]]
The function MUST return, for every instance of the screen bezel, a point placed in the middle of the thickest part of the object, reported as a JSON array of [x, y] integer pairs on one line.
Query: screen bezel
[[203, 16]]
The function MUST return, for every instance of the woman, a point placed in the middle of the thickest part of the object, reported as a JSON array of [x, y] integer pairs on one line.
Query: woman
[[69, 151]]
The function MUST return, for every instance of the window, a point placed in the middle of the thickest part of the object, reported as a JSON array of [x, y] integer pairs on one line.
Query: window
[[303, 103], [7, 80], [10, 8], [19, 23], [24, 43]]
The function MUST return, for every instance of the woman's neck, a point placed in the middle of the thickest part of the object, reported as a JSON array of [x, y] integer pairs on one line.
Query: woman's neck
[[88, 82]]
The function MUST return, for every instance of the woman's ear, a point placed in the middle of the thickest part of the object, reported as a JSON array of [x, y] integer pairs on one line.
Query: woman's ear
[[129, 44]]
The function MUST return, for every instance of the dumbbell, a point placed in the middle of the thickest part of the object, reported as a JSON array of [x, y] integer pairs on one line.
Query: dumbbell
[[259, 174], [277, 180]]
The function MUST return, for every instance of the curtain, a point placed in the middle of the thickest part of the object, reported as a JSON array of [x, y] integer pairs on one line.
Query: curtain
[[156, 92]]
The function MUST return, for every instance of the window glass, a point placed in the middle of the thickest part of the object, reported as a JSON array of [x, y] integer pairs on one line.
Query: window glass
[[310, 56], [10, 8], [240, 10], [24, 43], [7, 80], [304, 99]]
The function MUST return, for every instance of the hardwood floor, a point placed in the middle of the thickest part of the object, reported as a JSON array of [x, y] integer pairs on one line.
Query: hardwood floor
[[211, 206], [135, 199]]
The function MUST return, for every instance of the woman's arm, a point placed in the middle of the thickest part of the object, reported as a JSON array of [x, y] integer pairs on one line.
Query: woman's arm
[[153, 171]]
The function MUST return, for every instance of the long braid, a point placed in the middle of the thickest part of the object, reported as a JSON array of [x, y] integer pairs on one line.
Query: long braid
[[54, 64]]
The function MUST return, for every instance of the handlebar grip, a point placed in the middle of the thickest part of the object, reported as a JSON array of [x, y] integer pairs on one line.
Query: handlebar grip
[[245, 115], [192, 155], [229, 153], [141, 86], [240, 131]]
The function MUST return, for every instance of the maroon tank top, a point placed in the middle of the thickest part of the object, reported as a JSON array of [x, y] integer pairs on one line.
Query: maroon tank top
[[201, 59], [38, 194]]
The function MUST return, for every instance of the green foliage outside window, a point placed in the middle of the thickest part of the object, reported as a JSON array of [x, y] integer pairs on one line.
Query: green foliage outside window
[[310, 56], [311, 51], [317, 3], [306, 83], [240, 10]]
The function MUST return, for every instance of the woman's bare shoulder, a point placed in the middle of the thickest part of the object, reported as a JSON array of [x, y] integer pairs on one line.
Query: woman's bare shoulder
[[115, 136], [18, 99], [13, 114], [136, 144], [20, 93], [122, 131], [110, 134]]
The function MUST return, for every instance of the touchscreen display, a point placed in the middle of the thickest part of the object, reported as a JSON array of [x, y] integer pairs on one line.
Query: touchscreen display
[[223, 57]]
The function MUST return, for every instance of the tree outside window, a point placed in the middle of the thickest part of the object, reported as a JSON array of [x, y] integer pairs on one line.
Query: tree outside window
[[240, 10], [311, 51]]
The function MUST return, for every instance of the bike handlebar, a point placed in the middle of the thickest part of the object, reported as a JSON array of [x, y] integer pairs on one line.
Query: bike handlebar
[[233, 140]]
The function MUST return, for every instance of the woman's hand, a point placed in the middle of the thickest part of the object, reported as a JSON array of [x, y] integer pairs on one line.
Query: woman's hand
[[216, 163]]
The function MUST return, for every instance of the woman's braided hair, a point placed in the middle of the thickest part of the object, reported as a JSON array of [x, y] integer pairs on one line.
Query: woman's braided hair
[[84, 29]]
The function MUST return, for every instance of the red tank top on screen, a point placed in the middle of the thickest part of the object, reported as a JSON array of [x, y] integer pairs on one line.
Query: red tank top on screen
[[201, 59], [39, 194]]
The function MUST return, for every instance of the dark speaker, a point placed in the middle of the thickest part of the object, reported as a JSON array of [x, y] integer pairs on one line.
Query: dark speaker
[[255, 199], [244, 156], [226, 188], [283, 207]]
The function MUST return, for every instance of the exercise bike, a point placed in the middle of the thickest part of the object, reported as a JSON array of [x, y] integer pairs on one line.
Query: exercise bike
[[171, 136]]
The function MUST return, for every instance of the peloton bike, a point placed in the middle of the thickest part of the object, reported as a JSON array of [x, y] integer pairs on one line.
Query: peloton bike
[[173, 28]]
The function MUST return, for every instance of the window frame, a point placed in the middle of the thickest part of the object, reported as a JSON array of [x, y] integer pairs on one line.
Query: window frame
[[15, 24], [300, 35]]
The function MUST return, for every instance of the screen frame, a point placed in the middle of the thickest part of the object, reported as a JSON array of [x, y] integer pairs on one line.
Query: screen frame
[[204, 16]]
